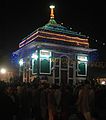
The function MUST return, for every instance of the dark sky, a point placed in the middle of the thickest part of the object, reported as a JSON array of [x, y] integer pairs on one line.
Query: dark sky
[[20, 18]]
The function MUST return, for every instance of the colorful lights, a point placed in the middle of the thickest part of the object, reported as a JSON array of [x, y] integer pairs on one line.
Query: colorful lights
[[63, 35], [54, 36], [71, 41]]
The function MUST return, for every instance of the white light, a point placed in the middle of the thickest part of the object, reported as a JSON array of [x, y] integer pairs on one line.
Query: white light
[[82, 58], [103, 83], [21, 62], [34, 56], [52, 6], [45, 53], [104, 43], [96, 40], [3, 70]]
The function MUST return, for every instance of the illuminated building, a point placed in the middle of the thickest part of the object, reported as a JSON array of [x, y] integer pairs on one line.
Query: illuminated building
[[54, 51]]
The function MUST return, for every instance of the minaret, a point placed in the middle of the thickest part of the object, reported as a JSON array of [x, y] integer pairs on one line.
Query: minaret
[[52, 20], [52, 11]]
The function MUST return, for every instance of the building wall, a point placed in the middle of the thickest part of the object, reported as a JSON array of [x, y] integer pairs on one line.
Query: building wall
[[64, 68]]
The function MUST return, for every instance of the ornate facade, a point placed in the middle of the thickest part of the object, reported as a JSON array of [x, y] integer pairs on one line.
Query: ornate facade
[[54, 51]]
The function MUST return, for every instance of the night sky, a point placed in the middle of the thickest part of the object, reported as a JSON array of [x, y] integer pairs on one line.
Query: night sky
[[20, 18]]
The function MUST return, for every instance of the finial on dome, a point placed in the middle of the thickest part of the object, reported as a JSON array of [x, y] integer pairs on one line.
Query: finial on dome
[[52, 11]]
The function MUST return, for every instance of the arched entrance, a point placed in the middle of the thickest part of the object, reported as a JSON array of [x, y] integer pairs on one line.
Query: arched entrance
[[63, 70]]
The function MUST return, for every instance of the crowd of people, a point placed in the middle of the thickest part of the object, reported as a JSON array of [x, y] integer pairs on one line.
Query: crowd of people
[[43, 101]]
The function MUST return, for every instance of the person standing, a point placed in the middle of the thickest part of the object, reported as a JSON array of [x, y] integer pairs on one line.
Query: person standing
[[83, 102], [51, 104]]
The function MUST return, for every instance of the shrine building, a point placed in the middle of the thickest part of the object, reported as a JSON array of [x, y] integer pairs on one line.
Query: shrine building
[[55, 52]]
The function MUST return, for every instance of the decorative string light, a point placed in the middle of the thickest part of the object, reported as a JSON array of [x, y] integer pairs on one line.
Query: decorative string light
[[23, 44], [60, 35], [70, 37], [29, 37], [57, 37], [54, 38], [63, 40]]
